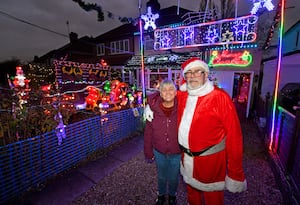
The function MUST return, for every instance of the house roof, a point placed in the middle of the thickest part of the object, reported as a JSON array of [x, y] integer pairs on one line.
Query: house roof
[[81, 46]]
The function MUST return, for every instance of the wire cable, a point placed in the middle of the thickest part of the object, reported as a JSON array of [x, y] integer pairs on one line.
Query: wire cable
[[31, 24]]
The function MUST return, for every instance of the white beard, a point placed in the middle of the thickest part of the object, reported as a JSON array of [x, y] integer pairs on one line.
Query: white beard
[[204, 89]]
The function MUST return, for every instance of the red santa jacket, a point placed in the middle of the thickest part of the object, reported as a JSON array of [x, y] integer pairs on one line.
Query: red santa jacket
[[210, 117]]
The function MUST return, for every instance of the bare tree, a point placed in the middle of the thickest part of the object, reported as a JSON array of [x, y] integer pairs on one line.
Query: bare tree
[[222, 8]]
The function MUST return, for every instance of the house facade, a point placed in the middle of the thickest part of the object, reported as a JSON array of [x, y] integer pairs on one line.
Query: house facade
[[121, 49]]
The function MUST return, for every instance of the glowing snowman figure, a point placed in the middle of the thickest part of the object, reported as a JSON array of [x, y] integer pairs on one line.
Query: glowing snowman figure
[[149, 19]]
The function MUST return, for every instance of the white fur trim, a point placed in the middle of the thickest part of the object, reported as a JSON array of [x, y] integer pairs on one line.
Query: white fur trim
[[206, 88], [187, 173], [183, 87], [186, 121], [235, 186], [196, 63]]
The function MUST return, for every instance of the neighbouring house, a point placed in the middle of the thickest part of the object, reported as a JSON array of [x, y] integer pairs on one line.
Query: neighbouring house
[[289, 65], [77, 50]]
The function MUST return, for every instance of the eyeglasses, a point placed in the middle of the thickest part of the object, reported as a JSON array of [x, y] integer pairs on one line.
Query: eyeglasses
[[196, 73]]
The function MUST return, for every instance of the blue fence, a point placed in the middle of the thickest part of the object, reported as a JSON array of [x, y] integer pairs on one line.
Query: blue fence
[[285, 153], [27, 163]]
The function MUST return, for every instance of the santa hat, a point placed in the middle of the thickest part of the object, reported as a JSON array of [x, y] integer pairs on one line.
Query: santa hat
[[192, 63]]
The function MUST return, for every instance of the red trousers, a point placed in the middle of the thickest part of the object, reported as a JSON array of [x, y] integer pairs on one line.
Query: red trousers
[[197, 197]]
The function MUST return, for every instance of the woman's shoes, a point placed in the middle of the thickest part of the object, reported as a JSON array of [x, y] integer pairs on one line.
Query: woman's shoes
[[160, 200], [172, 200]]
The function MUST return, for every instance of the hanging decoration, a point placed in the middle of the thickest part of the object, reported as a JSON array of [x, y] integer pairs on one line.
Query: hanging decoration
[[261, 4], [230, 58], [273, 26], [149, 19], [227, 31], [95, 7], [60, 128]]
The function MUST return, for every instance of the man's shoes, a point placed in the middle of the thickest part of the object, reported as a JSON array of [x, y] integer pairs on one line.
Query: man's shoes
[[160, 200], [172, 200]]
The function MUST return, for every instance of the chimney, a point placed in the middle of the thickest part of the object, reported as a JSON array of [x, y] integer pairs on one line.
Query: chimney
[[73, 37]]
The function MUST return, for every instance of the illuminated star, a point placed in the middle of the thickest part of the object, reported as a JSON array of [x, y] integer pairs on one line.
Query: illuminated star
[[240, 28], [212, 35], [166, 41], [149, 19], [188, 33], [227, 36]]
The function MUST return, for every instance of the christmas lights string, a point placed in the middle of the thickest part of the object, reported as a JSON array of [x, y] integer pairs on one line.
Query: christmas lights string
[[273, 26]]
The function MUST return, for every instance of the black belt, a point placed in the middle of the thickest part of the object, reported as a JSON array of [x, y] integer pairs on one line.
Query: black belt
[[193, 154]]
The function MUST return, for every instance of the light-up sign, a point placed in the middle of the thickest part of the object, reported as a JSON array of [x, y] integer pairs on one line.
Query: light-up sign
[[229, 58], [227, 31]]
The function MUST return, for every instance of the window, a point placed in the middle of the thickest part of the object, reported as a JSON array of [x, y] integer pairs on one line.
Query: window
[[118, 47], [149, 42], [101, 49]]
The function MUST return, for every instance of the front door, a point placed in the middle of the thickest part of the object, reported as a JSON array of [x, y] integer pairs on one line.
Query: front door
[[241, 91]]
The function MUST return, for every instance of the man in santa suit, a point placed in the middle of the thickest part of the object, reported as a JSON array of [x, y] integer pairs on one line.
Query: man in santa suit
[[210, 137]]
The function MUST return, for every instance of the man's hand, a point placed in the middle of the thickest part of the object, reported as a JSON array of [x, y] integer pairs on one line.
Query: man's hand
[[148, 113]]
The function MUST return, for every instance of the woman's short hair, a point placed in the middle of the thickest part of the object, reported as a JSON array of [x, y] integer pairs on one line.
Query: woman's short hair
[[167, 82]]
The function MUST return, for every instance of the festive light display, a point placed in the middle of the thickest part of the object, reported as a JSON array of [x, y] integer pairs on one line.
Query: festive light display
[[20, 85], [277, 74], [70, 74], [60, 128], [94, 94], [142, 61], [260, 4], [113, 96], [227, 31], [233, 47], [149, 19], [230, 58]]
